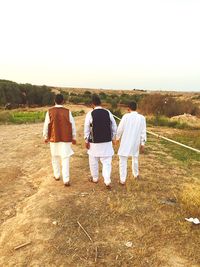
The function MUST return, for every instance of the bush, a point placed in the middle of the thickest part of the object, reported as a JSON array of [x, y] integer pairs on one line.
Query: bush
[[113, 102], [78, 113], [125, 99], [76, 99], [5, 116], [159, 105], [102, 96], [87, 93], [116, 112]]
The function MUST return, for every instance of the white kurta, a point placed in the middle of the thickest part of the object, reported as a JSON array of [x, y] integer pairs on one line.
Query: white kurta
[[62, 149], [132, 131], [100, 149]]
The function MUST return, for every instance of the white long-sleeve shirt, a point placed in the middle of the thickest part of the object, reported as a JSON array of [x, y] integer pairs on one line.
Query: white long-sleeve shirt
[[104, 149], [132, 131], [62, 149]]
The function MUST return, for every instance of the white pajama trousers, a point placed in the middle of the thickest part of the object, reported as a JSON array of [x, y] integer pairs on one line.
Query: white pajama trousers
[[123, 167], [106, 170], [65, 167]]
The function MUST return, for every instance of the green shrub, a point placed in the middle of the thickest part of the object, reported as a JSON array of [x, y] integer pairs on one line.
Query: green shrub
[[158, 104], [78, 113], [116, 112], [5, 116]]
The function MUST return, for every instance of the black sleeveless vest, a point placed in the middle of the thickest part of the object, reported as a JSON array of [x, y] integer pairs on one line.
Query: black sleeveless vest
[[100, 127]]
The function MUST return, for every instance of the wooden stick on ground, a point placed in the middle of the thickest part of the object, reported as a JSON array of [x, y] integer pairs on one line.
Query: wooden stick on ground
[[22, 245], [96, 254], [85, 231]]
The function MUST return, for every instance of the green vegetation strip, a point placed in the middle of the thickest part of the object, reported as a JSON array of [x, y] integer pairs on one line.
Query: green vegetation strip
[[19, 117], [180, 153], [184, 155]]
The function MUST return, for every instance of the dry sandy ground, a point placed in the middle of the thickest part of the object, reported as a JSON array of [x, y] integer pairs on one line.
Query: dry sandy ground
[[36, 209]]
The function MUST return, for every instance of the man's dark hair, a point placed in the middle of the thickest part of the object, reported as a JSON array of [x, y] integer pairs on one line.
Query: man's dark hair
[[96, 100], [132, 105], [59, 99]]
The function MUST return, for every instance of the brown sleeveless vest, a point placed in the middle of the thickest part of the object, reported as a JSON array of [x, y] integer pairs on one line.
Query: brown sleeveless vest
[[60, 127]]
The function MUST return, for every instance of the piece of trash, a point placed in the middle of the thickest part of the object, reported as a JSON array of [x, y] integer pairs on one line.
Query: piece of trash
[[129, 244], [83, 194], [22, 245], [168, 201], [55, 222], [193, 220], [7, 213]]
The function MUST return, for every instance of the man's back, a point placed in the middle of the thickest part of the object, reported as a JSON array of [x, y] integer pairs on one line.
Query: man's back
[[132, 130], [60, 128], [101, 126]]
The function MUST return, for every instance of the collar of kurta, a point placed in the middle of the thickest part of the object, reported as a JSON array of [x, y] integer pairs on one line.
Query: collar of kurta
[[97, 107], [58, 106], [133, 111]]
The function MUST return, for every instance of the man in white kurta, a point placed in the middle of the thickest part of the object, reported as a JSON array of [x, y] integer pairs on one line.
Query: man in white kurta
[[60, 150], [98, 149], [132, 131]]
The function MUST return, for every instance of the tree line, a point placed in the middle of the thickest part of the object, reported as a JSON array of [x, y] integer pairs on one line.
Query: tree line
[[149, 104], [24, 94], [112, 99]]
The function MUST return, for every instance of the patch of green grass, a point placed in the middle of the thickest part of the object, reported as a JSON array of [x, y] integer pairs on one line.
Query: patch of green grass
[[19, 117], [27, 117], [190, 138]]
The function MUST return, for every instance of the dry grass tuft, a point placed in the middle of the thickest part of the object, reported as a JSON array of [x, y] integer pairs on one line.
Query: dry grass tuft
[[190, 197]]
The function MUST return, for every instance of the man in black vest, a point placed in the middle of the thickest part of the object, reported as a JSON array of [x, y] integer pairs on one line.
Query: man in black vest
[[99, 131]]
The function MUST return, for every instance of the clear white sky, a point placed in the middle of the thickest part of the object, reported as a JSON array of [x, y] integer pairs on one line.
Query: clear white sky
[[122, 44]]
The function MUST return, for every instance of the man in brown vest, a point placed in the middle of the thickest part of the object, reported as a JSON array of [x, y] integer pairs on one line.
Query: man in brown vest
[[59, 129]]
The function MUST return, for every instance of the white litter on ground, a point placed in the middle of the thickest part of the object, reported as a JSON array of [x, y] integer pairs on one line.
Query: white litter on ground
[[193, 220], [128, 244]]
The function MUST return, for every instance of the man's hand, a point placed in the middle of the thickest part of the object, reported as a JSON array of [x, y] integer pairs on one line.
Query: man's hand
[[142, 149], [114, 142], [74, 141], [46, 141], [87, 145]]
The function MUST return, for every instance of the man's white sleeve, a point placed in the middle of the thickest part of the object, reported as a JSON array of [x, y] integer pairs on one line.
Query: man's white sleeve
[[87, 126], [113, 126], [46, 124], [71, 119], [120, 128], [143, 136]]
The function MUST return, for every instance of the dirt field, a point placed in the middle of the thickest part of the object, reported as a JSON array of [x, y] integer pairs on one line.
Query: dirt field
[[141, 224]]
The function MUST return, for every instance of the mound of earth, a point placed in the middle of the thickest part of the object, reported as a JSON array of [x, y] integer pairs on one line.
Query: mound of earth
[[187, 118]]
